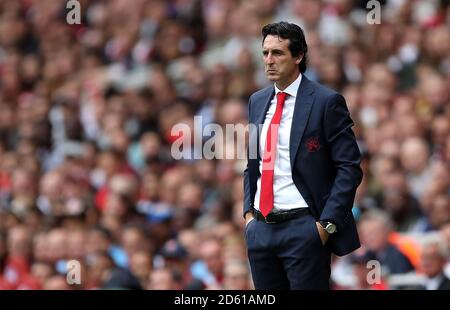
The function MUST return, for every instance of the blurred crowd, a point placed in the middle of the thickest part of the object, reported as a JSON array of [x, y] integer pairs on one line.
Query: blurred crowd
[[86, 113]]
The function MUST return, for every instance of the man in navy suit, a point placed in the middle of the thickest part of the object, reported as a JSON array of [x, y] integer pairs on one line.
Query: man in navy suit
[[302, 172]]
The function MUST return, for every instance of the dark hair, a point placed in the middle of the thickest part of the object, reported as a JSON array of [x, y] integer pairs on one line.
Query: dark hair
[[297, 42]]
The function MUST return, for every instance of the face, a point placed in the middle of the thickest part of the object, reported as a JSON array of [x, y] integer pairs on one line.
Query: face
[[161, 279], [141, 264], [211, 253], [132, 241], [280, 66], [432, 262], [18, 242], [374, 234], [56, 283], [41, 271], [236, 278]]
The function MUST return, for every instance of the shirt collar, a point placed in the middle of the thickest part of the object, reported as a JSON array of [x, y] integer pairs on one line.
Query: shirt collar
[[292, 89]]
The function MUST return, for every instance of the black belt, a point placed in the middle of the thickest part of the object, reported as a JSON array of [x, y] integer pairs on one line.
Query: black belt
[[281, 216]]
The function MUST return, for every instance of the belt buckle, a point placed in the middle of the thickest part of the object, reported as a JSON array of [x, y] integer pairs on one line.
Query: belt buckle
[[267, 221]]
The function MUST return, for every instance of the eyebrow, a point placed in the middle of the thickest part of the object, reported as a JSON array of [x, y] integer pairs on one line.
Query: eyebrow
[[275, 50]]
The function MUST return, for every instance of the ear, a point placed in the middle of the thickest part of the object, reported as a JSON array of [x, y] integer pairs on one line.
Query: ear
[[299, 59]]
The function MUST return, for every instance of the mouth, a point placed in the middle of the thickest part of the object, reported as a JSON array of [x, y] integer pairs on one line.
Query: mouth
[[271, 71]]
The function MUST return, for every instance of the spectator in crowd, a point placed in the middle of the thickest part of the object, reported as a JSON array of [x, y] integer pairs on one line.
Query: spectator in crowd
[[445, 235], [236, 276], [42, 271], [120, 278], [434, 255], [366, 275], [99, 264], [176, 259], [163, 279], [211, 255], [402, 207], [374, 229], [141, 266], [414, 156], [56, 282]]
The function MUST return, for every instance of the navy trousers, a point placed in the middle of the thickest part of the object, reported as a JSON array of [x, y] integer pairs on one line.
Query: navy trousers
[[288, 255]]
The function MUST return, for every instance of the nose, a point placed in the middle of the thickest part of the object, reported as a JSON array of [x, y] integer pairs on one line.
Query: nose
[[269, 59]]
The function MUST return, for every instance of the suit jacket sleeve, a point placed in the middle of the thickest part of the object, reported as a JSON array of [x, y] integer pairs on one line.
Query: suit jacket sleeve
[[345, 154], [247, 191]]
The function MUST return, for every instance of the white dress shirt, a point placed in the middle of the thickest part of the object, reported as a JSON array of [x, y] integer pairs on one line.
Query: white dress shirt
[[285, 194], [432, 284]]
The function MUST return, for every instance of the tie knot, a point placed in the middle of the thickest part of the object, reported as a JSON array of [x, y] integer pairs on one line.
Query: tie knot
[[281, 97]]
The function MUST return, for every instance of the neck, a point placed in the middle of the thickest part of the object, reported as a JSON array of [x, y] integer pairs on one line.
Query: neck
[[282, 85], [435, 276]]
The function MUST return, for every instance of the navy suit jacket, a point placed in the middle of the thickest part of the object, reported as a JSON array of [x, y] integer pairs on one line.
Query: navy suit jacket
[[324, 155]]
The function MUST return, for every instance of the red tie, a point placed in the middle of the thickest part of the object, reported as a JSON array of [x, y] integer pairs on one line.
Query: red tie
[[270, 152]]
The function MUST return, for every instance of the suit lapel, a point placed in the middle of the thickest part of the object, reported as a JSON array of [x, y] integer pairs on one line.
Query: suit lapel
[[261, 113], [260, 117], [302, 109]]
